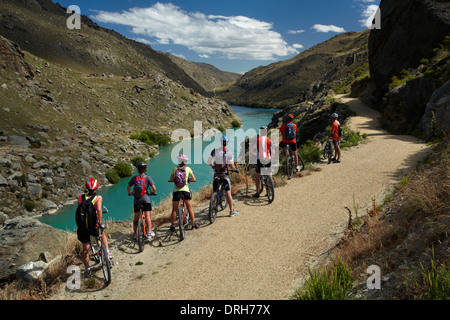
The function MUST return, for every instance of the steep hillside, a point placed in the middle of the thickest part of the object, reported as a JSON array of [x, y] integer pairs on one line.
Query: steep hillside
[[206, 75], [70, 104], [308, 76], [39, 27]]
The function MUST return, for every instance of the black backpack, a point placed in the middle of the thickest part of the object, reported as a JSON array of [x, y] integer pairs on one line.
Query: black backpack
[[86, 215], [289, 132]]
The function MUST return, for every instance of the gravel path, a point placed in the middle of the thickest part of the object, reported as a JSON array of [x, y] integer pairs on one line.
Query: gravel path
[[264, 251]]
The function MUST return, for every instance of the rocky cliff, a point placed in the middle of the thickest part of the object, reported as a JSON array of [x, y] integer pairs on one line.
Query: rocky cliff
[[409, 61]]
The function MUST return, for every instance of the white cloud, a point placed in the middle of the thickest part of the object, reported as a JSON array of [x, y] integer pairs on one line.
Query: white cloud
[[327, 28], [297, 46], [234, 37], [203, 56], [368, 15], [295, 31]]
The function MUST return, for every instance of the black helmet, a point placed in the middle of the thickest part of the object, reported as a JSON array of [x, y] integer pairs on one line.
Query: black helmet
[[141, 166]]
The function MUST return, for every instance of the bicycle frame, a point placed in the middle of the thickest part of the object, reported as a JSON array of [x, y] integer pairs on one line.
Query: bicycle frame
[[100, 254]]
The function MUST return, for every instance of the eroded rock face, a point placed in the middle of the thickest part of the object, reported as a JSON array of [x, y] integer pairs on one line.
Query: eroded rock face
[[409, 30], [12, 58]]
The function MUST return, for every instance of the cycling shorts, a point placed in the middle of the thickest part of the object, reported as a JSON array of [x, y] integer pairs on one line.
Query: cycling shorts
[[259, 165], [144, 206], [224, 179], [178, 195], [293, 145]]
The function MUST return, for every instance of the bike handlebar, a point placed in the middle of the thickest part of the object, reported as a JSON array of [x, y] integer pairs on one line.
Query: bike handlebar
[[150, 194]]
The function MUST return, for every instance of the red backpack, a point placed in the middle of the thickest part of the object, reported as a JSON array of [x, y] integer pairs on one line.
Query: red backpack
[[140, 187]]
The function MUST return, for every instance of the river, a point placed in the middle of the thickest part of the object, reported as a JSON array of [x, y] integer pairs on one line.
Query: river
[[115, 197]]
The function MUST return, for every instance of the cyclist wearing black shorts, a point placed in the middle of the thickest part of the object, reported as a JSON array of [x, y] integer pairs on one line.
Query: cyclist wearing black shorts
[[263, 157], [289, 133], [141, 198]]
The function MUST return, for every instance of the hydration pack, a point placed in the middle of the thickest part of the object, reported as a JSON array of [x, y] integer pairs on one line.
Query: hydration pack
[[289, 131], [86, 215], [180, 177], [140, 187]]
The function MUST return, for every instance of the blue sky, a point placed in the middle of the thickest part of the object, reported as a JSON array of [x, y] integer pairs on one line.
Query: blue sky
[[232, 35]]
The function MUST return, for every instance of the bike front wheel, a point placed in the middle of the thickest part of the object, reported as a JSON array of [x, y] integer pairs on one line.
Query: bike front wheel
[[106, 264], [213, 207], [93, 245], [181, 223], [270, 190]]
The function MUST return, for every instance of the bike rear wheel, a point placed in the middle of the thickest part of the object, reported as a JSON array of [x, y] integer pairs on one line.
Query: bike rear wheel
[[290, 167], [329, 152], [213, 207], [106, 264], [270, 190], [223, 199], [141, 235], [301, 163], [181, 223]]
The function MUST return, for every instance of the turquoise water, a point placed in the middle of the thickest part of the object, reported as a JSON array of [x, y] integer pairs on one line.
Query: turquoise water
[[119, 204]]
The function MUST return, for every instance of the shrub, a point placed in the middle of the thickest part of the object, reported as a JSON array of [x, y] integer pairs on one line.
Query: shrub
[[327, 284], [29, 205], [137, 159], [123, 169], [351, 138], [112, 176], [235, 124], [309, 152], [151, 138], [222, 129]]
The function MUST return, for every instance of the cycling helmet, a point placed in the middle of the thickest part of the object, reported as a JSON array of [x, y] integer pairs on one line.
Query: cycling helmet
[[334, 115], [264, 128], [91, 184], [141, 166], [182, 158]]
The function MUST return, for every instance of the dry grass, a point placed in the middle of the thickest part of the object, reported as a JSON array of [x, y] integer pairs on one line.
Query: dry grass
[[399, 235]]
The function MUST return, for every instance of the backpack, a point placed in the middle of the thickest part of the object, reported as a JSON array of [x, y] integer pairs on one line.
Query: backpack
[[340, 131], [289, 132], [180, 177], [86, 215], [140, 187]]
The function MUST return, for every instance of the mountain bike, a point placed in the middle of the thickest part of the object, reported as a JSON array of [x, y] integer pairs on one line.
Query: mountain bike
[[182, 217], [267, 181], [99, 252], [328, 150], [290, 161], [141, 232], [218, 199]]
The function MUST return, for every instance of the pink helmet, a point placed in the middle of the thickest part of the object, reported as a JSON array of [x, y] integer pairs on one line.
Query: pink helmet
[[182, 158]]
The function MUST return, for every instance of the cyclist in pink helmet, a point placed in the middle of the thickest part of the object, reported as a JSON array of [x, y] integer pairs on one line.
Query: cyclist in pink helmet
[[181, 175]]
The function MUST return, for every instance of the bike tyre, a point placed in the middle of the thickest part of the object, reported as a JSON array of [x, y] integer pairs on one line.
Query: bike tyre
[[140, 235], [270, 190], [223, 199], [289, 167], [106, 264], [329, 152], [213, 208], [181, 223], [301, 163]]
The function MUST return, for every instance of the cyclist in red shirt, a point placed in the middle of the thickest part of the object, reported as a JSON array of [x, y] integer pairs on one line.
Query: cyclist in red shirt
[[336, 138], [289, 133], [263, 157]]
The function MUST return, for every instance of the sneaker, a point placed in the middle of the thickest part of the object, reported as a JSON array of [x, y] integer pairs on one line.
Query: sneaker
[[256, 195], [110, 256], [172, 229], [337, 161], [87, 273], [150, 235], [195, 226], [134, 237], [234, 213], [298, 168]]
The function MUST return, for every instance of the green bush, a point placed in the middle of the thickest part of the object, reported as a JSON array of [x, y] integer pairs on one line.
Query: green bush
[[112, 176], [137, 159], [151, 138], [123, 169], [29, 205], [309, 152], [351, 138], [235, 124], [222, 129]]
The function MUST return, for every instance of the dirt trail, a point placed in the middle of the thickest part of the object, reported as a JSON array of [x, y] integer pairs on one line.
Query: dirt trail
[[262, 252]]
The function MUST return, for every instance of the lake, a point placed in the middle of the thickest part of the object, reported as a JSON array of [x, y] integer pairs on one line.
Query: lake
[[120, 205]]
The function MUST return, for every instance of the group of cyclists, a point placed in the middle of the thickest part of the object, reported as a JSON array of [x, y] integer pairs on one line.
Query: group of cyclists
[[222, 162]]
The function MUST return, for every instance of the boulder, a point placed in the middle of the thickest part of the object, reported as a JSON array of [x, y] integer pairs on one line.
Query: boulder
[[23, 239], [438, 110]]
